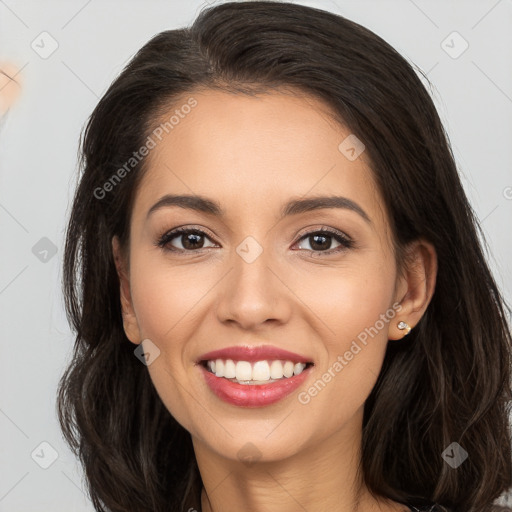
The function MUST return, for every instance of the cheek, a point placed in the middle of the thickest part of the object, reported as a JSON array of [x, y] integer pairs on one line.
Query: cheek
[[356, 315], [352, 301], [166, 297]]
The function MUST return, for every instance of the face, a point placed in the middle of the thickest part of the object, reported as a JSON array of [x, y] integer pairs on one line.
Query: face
[[321, 283]]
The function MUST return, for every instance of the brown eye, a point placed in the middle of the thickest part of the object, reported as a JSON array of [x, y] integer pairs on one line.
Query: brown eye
[[189, 239], [321, 241]]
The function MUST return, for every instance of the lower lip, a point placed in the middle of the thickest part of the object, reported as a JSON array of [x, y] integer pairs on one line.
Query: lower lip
[[247, 395]]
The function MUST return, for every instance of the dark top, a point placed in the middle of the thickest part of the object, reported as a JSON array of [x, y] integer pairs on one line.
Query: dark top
[[439, 508]]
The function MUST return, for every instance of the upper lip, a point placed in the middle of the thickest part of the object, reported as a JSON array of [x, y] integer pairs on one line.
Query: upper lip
[[254, 353]]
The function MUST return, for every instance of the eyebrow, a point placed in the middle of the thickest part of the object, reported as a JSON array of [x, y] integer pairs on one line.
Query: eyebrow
[[293, 207]]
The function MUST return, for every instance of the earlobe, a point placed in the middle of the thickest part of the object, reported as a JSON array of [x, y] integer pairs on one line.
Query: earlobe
[[131, 327], [419, 282]]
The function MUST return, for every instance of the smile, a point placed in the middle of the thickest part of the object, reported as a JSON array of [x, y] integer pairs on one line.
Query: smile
[[259, 372]]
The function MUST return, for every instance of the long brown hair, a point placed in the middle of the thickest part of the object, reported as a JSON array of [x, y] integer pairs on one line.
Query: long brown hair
[[449, 382]]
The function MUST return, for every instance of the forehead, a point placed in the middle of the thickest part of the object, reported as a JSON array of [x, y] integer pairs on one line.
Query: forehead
[[254, 153]]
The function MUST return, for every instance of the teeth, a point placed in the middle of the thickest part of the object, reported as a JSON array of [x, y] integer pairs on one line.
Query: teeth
[[298, 368], [229, 369], [276, 370], [243, 370], [261, 371], [219, 368], [288, 369]]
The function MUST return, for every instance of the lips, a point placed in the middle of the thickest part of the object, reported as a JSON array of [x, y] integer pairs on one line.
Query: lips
[[254, 394]]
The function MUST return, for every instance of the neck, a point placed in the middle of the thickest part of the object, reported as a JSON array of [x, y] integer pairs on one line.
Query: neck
[[319, 477]]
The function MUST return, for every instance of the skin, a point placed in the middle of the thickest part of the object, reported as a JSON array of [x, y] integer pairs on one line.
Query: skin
[[253, 154]]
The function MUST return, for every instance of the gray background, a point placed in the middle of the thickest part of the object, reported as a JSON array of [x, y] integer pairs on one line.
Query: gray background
[[38, 145]]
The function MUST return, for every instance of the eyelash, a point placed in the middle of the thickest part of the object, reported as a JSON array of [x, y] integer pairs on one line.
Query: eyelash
[[165, 239]]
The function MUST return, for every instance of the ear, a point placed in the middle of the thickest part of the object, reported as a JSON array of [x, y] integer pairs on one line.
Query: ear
[[131, 327], [415, 287]]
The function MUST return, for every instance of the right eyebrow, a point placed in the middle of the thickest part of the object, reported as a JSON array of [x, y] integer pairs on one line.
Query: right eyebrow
[[191, 202]]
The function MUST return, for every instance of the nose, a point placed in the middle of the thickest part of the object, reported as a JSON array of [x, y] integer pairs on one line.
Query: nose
[[253, 294]]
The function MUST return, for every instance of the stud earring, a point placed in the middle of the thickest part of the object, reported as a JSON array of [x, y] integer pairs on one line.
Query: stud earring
[[404, 326]]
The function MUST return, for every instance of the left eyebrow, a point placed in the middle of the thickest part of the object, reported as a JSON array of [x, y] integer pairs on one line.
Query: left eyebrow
[[293, 207], [297, 206]]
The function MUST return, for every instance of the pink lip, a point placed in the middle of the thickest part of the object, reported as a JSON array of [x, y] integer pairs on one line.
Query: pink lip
[[252, 354], [249, 395]]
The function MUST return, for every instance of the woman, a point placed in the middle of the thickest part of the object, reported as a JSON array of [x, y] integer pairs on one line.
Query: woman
[[278, 291]]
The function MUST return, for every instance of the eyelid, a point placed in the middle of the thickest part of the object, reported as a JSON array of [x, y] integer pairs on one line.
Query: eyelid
[[311, 231], [185, 228]]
